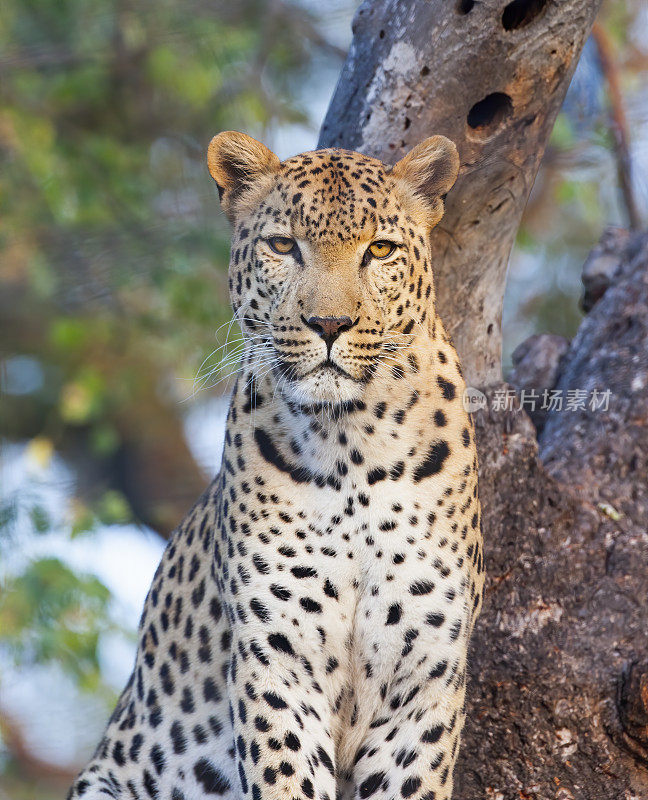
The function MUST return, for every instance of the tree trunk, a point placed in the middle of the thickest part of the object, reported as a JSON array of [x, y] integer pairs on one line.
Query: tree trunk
[[558, 696], [492, 79]]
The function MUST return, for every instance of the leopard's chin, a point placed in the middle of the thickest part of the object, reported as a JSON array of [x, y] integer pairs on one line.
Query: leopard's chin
[[324, 384]]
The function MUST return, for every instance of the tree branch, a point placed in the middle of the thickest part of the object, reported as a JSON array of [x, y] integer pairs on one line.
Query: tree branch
[[618, 124]]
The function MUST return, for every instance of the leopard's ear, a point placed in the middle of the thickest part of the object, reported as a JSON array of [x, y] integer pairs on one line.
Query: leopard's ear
[[241, 167], [430, 169]]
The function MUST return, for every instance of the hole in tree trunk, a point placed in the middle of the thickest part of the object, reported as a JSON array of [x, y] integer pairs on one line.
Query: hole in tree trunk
[[486, 116], [520, 13], [465, 6]]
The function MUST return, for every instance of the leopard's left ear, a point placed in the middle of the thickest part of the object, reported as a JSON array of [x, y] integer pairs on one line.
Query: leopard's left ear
[[239, 165], [430, 169]]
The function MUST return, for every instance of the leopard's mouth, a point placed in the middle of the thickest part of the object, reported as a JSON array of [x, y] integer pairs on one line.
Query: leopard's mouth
[[285, 369], [325, 383], [329, 364]]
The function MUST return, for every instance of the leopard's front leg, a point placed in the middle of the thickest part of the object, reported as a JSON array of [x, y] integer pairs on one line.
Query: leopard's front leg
[[414, 629], [412, 741], [286, 682], [282, 725]]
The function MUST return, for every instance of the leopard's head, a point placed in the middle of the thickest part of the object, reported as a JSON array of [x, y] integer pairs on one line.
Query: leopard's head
[[330, 268]]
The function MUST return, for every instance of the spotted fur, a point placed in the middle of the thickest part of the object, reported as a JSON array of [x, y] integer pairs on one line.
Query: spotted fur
[[306, 632]]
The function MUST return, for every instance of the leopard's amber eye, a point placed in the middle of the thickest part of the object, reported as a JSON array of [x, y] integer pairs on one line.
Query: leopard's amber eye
[[282, 244], [381, 249]]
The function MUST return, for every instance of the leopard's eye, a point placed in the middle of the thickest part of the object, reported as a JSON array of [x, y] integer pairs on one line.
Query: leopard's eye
[[381, 249], [282, 244]]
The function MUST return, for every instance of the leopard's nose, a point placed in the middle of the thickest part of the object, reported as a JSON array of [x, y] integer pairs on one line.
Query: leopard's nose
[[329, 328]]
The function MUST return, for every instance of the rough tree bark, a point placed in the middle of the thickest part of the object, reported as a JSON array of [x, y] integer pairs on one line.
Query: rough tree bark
[[558, 697]]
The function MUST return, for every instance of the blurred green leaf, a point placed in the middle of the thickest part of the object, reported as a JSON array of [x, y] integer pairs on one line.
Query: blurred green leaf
[[562, 135], [40, 519], [113, 508], [49, 613]]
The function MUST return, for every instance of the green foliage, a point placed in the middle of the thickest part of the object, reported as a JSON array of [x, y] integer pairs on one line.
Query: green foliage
[[51, 614], [112, 244], [562, 134]]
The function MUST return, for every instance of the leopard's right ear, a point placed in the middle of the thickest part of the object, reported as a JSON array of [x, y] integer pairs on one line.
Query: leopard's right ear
[[242, 169]]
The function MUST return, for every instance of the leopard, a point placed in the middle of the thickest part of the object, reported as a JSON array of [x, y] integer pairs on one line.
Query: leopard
[[306, 633]]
